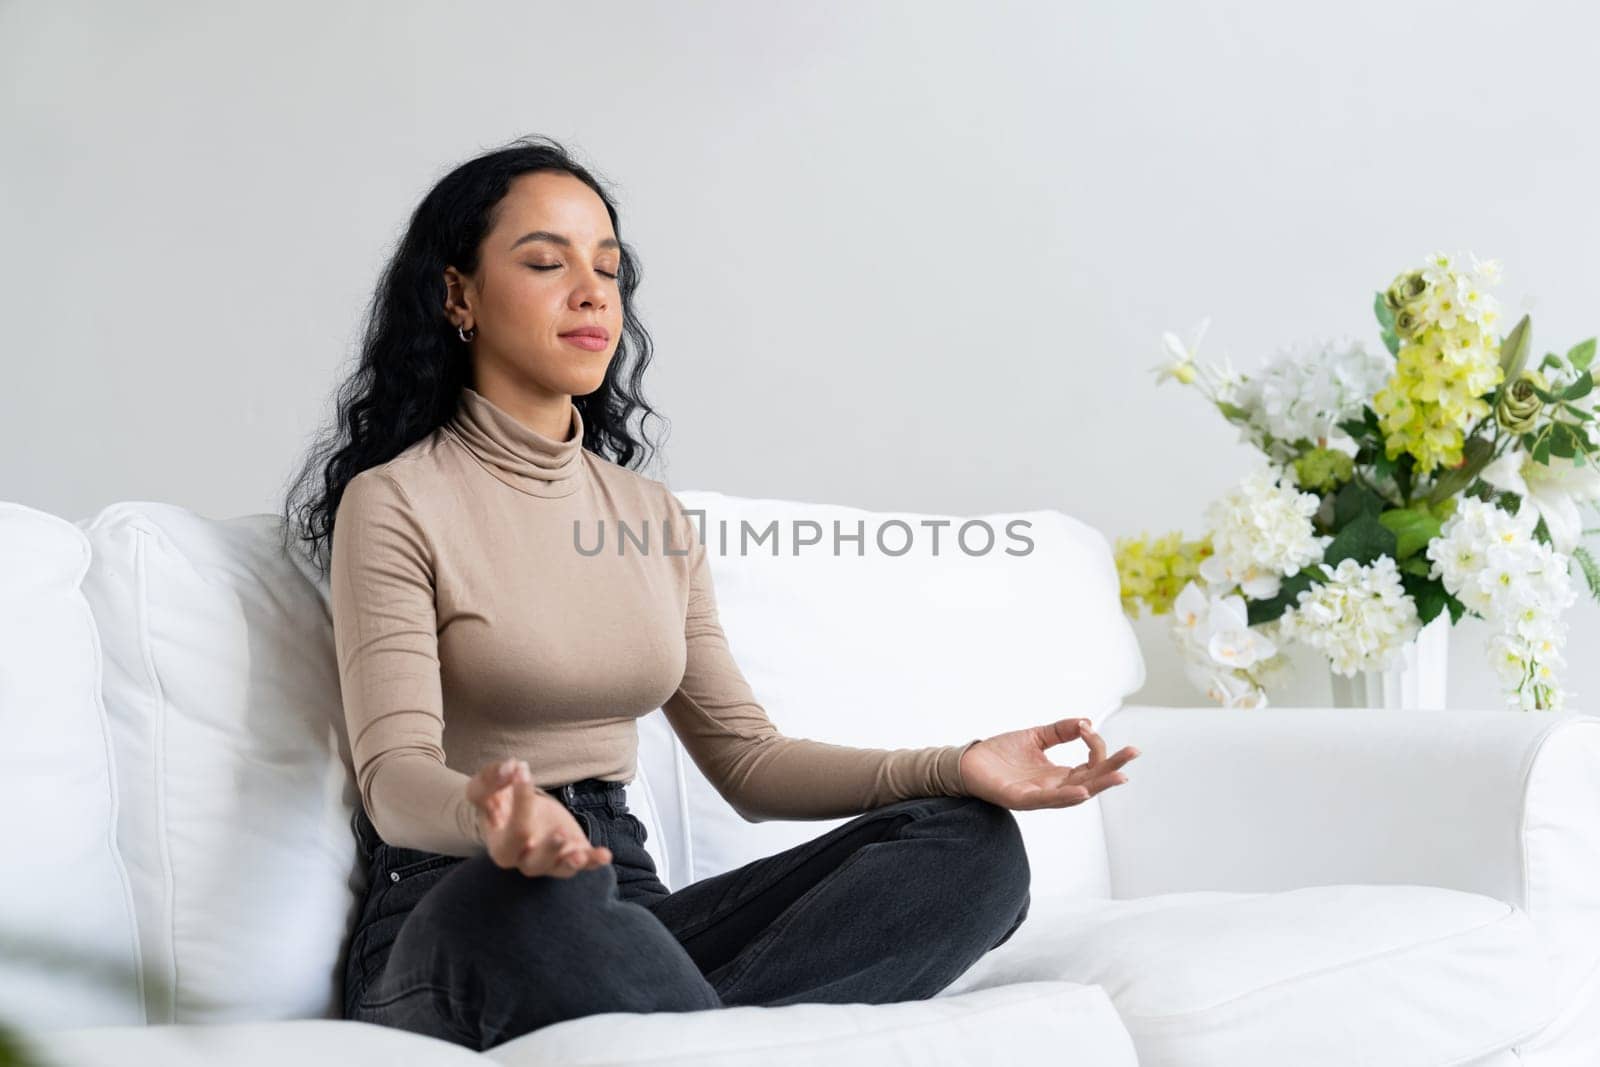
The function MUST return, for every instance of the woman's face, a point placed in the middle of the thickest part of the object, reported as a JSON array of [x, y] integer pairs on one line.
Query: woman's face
[[547, 267]]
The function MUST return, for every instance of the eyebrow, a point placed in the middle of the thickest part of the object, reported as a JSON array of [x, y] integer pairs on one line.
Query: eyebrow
[[556, 238]]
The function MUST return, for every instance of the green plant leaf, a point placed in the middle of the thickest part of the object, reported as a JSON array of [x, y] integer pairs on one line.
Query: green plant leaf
[[1579, 387], [1591, 570], [1514, 349], [1352, 501], [1391, 340], [1232, 411], [1412, 527], [1260, 611], [1581, 354], [1364, 540], [1561, 440], [1475, 453]]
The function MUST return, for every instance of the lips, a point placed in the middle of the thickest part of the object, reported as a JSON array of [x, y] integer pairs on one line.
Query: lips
[[588, 331]]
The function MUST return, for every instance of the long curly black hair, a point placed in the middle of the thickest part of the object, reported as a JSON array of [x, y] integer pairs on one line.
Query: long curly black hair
[[413, 365]]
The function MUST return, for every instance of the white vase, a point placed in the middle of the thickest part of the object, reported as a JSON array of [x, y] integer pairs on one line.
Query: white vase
[[1417, 680]]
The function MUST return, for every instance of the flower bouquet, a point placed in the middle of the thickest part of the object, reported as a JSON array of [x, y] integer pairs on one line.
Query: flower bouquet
[[1443, 475]]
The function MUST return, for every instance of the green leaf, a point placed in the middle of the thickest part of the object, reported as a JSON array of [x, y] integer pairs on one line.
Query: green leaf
[[1591, 569], [1364, 540], [1421, 566], [1412, 527], [1514, 349], [1581, 354], [1260, 611], [1476, 453], [1580, 387], [1391, 340], [1541, 451], [1428, 594], [1352, 501], [1561, 440], [1233, 412]]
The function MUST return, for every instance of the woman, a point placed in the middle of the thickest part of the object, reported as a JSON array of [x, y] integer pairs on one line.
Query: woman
[[510, 888]]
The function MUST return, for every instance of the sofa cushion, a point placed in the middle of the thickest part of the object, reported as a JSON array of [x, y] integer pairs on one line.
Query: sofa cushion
[[1031, 1022], [1409, 975], [69, 949], [933, 646], [236, 794], [291, 1042]]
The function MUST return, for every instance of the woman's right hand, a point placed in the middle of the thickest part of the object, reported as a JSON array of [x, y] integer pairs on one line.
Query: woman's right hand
[[526, 828]]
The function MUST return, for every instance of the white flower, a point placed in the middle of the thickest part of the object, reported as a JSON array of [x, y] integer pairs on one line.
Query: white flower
[[1554, 490], [1219, 647], [1260, 532], [1489, 560], [1181, 365], [1305, 392], [1360, 618]]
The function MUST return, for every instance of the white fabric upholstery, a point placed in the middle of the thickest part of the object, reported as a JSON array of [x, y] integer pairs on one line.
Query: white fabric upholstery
[[220, 684], [1308, 886], [1501, 804], [64, 894], [1323, 976], [937, 646], [1031, 1022]]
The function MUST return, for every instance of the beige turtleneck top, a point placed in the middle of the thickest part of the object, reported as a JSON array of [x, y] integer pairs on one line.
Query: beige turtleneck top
[[474, 620]]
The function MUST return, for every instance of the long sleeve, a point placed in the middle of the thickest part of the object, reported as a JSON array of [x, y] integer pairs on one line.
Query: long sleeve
[[386, 639], [759, 771]]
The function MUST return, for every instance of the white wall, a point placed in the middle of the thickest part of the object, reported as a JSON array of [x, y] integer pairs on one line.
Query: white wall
[[897, 255]]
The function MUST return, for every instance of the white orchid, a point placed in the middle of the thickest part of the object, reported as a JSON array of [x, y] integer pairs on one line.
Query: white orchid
[[1181, 365], [1219, 647], [1554, 490]]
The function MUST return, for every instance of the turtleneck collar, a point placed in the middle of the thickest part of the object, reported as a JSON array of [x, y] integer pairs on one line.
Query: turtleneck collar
[[520, 457]]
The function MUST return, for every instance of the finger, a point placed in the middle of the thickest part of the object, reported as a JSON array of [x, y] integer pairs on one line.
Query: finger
[[1059, 732], [545, 855], [1104, 782], [521, 817], [491, 778], [1059, 792], [1096, 743], [1123, 757]]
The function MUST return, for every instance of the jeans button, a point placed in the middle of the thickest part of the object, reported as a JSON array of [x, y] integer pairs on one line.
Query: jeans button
[[394, 876]]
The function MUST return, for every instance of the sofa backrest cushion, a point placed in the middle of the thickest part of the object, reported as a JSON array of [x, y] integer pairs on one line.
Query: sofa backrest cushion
[[1006, 621], [236, 796], [69, 945]]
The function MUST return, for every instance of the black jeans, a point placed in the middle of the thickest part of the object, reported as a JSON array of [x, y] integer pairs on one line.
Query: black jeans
[[893, 905]]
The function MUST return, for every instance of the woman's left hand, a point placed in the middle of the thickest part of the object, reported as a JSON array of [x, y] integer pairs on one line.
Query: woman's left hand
[[1012, 770]]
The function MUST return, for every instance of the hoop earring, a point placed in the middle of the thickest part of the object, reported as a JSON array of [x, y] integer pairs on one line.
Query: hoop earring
[[466, 335]]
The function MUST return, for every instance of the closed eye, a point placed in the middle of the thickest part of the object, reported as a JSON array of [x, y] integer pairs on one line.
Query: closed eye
[[535, 266]]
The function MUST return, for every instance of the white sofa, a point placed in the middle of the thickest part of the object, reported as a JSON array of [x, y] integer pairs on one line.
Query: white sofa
[[1303, 886]]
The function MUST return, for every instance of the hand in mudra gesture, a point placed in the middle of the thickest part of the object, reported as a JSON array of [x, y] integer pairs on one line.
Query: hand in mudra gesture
[[526, 828], [1012, 770]]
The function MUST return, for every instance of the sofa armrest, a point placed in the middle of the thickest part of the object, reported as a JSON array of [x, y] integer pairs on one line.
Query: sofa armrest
[[1497, 802]]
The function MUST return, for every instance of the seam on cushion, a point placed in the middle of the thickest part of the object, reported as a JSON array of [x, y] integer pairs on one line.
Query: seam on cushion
[[823, 1042], [1398, 950], [685, 831], [1527, 782], [159, 751], [112, 779]]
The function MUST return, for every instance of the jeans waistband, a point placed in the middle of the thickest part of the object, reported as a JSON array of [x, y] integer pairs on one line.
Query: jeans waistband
[[591, 793]]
